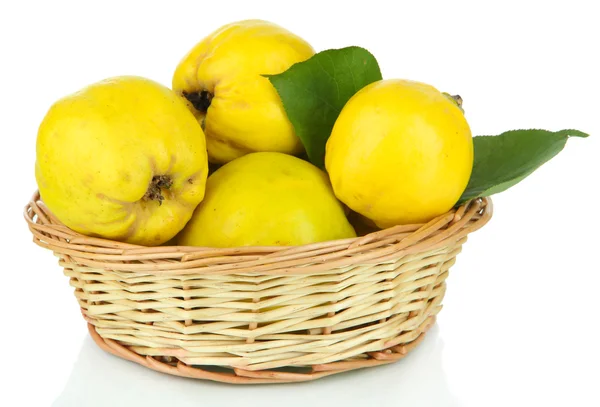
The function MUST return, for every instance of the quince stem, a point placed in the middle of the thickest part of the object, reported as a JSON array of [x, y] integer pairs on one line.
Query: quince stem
[[456, 99]]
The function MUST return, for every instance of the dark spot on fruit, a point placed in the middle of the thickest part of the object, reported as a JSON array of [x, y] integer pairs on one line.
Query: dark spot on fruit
[[200, 100], [157, 185], [125, 176]]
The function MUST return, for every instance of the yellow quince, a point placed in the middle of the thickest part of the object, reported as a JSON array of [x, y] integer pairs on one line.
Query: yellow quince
[[122, 159], [400, 152], [222, 79], [267, 199]]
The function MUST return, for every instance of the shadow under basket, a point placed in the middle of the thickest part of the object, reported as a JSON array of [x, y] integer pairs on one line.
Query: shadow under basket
[[262, 314]]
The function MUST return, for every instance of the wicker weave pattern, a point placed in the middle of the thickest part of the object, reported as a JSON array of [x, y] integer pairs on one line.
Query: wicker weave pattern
[[327, 307]]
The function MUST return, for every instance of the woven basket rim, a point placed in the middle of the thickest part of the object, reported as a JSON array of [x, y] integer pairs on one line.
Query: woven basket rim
[[375, 247]]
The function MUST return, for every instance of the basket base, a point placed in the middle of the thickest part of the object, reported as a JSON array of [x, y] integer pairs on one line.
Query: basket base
[[240, 376]]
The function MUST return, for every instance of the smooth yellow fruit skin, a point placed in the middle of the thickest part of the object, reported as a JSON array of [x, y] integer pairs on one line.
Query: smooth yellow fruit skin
[[267, 199], [98, 150], [246, 113], [400, 152]]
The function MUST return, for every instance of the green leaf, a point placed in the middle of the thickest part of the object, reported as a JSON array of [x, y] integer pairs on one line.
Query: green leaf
[[315, 91], [505, 160]]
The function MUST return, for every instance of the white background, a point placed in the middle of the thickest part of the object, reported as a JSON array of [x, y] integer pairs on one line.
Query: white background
[[521, 316]]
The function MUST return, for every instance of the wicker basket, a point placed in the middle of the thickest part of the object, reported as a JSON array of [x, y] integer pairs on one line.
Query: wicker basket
[[262, 314]]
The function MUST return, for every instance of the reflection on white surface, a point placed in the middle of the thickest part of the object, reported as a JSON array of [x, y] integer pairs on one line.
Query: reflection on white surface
[[101, 379]]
